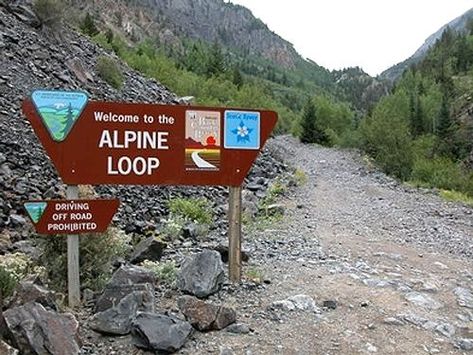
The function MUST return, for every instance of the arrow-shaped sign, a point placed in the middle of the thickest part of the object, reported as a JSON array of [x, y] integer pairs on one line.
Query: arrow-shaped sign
[[147, 144], [71, 216]]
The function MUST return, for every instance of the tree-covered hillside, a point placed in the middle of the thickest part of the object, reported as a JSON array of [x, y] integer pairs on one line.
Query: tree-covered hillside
[[423, 131]]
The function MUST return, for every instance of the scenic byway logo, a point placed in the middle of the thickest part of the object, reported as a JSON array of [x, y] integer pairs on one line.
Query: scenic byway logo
[[242, 130], [202, 144], [59, 110], [35, 210]]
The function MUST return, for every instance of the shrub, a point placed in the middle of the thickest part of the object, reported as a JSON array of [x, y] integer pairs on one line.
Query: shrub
[[165, 272], [96, 255], [441, 173], [300, 177], [254, 274], [88, 26], [8, 283], [17, 264], [173, 227], [191, 209], [49, 12], [109, 71]]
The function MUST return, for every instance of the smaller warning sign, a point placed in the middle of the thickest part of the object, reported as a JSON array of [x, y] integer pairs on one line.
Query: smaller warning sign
[[71, 216], [242, 130]]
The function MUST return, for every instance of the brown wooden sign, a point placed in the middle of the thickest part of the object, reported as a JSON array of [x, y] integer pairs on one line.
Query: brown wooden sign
[[71, 216], [97, 143]]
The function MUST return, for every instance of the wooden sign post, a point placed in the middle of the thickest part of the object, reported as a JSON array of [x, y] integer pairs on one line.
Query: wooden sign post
[[234, 235], [73, 279], [71, 217], [93, 142]]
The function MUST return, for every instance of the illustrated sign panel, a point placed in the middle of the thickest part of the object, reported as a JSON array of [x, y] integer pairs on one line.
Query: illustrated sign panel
[[202, 140], [242, 130], [71, 216], [93, 142], [59, 110]]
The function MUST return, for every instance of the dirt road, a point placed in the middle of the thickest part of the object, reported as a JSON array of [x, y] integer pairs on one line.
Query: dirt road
[[376, 267]]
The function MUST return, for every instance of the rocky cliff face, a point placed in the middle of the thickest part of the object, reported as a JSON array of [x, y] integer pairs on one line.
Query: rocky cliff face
[[211, 20]]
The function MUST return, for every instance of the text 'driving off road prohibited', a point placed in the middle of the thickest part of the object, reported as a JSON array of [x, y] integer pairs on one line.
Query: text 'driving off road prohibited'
[[95, 143], [71, 216]]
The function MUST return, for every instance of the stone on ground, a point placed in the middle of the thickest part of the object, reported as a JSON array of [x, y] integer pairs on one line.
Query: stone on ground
[[202, 274]]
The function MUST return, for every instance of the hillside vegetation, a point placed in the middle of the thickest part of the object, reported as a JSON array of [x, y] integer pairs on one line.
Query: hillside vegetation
[[420, 132], [423, 131]]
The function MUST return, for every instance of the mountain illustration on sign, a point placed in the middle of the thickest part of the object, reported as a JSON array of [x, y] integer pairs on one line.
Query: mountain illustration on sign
[[59, 110], [242, 132], [35, 210], [202, 143]]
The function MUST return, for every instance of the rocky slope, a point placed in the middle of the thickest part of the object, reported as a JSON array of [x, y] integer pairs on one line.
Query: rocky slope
[[457, 25], [36, 57], [232, 25]]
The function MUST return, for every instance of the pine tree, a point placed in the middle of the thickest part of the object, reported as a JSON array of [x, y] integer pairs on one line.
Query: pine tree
[[216, 63], [311, 133], [88, 26], [444, 120], [237, 77], [69, 122]]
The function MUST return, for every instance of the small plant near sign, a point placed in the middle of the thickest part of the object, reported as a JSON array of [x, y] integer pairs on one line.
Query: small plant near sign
[[172, 227], [299, 177], [196, 210], [254, 274], [97, 253], [165, 272], [109, 70], [8, 282]]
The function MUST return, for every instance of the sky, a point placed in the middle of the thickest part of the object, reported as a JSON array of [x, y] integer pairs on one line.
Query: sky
[[371, 34]]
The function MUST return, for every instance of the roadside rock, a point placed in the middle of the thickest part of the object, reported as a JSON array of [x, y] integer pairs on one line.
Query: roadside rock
[[202, 274], [27, 291], [297, 302], [149, 249], [423, 301], [112, 295], [238, 328], [6, 349], [38, 331], [158, 332], [465, 344], [464, 297], [117, 320], [205, 316]]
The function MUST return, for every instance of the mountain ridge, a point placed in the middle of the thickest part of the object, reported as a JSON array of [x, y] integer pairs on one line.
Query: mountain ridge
[[457, 25]]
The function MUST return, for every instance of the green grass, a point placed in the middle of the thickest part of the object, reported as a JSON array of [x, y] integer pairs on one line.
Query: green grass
[[193, 209], [254, 274], [456, 196]]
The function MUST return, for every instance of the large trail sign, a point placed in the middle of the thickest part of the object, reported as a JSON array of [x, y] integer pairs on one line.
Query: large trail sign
[[92, 142]]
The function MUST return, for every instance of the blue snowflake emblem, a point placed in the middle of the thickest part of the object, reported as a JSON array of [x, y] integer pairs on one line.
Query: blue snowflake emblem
[[242, 133]]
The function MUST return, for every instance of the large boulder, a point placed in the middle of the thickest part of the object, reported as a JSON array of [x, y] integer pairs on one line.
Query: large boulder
[[149, 249], [28, 291], [158, 332], [35, 330], [117, 320], [205, 316], [202, 274], [113, 294]]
